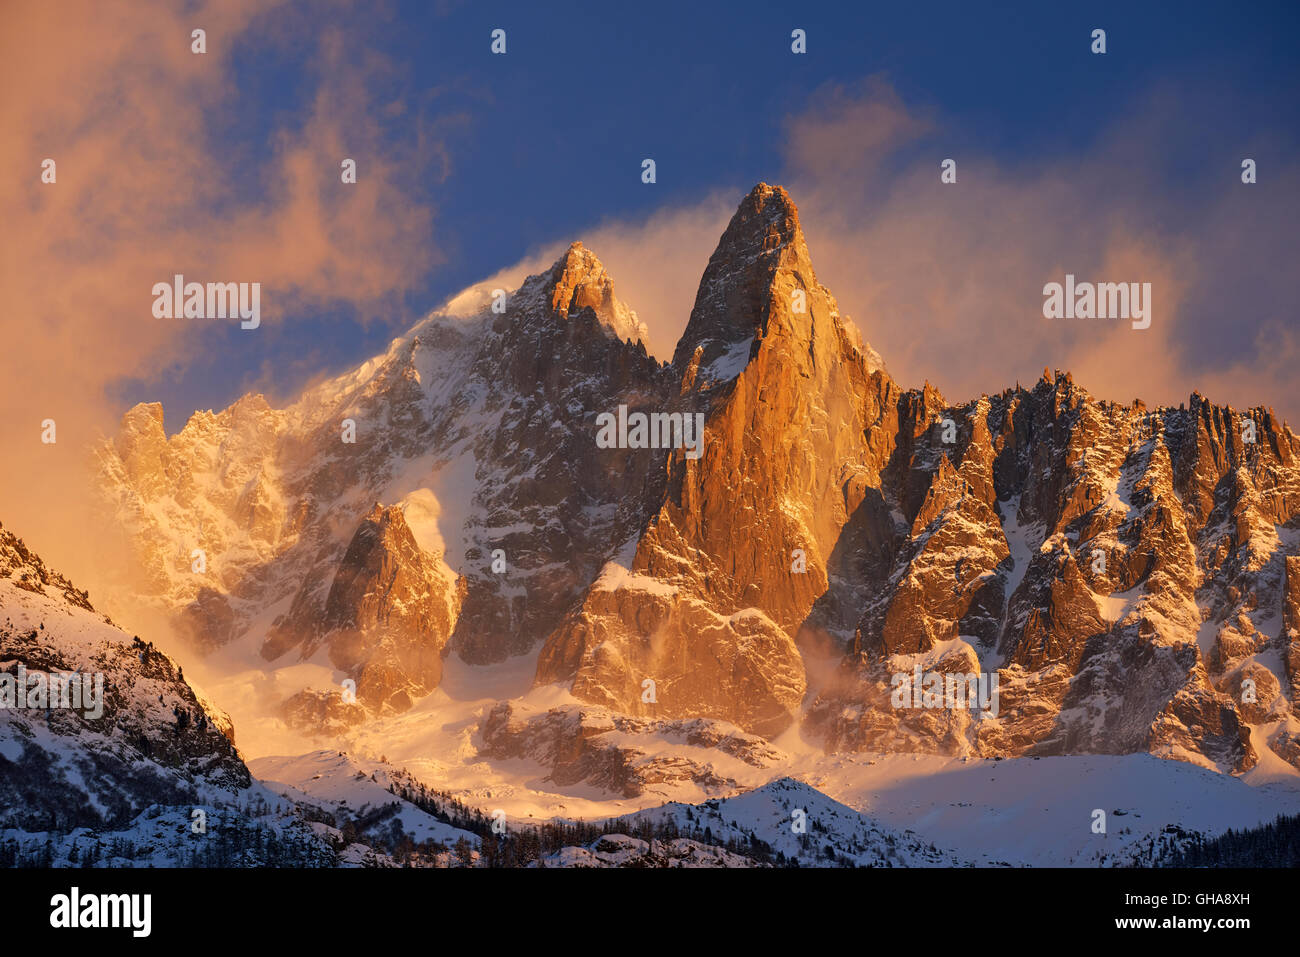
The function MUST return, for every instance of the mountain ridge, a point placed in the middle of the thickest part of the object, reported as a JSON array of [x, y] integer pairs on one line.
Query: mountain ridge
[[837, 528]]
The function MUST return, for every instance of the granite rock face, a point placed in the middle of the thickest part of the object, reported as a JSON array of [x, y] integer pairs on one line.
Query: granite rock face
[[1126, 573]]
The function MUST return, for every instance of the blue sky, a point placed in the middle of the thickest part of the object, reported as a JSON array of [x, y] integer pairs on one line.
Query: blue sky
[[545, 143]]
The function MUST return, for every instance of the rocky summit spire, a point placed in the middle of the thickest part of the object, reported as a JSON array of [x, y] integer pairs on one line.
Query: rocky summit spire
[[731, 305], [578, 279]]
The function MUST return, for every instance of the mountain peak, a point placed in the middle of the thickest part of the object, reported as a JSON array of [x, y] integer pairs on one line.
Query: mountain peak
[[762, 238], [765, 226], [579, 279], [770, 207]]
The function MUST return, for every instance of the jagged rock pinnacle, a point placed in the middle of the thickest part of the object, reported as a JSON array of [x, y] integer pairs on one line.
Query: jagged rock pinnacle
[[762, 238], [577, 280]]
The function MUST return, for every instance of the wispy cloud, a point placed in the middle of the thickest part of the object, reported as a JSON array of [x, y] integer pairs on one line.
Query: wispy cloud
[[946, 280], [149, 184]]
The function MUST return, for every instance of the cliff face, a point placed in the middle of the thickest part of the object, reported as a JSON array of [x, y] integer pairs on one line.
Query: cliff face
[[1120, 569], [1126, 574], [710, 598]]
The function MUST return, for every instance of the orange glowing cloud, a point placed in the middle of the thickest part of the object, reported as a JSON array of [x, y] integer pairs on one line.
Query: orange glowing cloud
[[146, 186], [946, 280]]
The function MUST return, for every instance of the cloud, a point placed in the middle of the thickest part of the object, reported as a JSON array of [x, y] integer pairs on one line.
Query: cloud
[[655, 262], [847, 132], [151, 182], [946, 281]]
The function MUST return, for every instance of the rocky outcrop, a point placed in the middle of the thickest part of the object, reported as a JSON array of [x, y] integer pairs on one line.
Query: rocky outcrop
[[946, 583], [386, 618], [611, 751], [1108, 540], [578, 281], [645, 649]]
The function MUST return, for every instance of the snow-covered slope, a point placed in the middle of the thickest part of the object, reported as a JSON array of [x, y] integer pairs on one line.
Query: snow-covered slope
[[799, 824], [1041, 811], [335, 782], [144, 737], [142, 771]]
